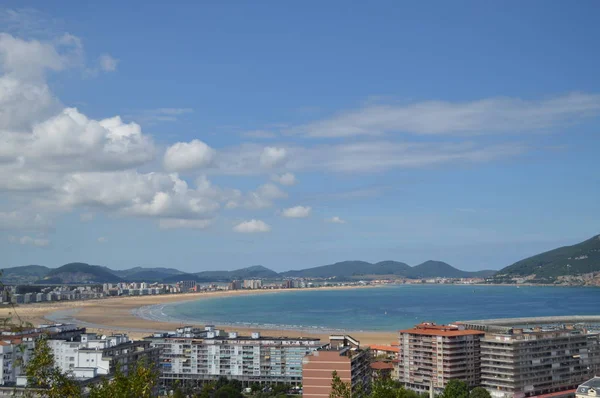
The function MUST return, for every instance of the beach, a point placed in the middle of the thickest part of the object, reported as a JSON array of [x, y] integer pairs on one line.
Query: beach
[[116, 315]]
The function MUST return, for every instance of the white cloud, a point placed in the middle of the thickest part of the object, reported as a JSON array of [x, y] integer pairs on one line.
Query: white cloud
[[491, 115], [252, 226], [272, 156], [108, 63], [335, 220], [28, 240], [285, 179], [188, 155], [297, 212], [102, 239], [171, 223], [24, 220], [86, 217], [263, 197], [153, 116]]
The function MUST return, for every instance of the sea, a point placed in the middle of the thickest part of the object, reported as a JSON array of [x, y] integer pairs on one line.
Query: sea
[[384, 308]]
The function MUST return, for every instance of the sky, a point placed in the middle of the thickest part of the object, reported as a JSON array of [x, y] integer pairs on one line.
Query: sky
[[224, 134]]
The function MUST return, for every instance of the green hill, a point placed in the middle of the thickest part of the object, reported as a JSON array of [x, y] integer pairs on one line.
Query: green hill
[[80, 273], [24, 274], [581, 258]]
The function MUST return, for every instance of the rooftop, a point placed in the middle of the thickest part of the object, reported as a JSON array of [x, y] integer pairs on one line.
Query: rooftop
[[431, 329], [590, 384]]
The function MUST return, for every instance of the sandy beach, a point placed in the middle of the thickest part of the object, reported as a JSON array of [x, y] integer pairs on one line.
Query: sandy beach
[[114, 315]]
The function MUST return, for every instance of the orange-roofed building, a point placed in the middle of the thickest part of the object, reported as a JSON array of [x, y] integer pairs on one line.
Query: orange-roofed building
[[433, 354]]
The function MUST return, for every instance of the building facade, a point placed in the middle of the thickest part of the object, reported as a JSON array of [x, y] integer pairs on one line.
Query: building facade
[[193, 355], [342, 355], [518, 363], [433, 354]]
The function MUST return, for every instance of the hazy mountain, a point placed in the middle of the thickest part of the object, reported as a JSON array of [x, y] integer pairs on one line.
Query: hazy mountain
[[24, 274], [581, 258], [80, 273]]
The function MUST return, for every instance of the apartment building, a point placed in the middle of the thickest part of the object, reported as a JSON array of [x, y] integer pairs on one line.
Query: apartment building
[[342, 355], [17, 347], [92, 355], [193, 355], [252, 284], [433, 354], [518, 363], [590, 388]]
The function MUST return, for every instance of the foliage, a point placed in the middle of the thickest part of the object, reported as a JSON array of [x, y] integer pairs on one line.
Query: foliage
[[479, 392], [339, 388], [139, 383], [43, 374], [456, 389]]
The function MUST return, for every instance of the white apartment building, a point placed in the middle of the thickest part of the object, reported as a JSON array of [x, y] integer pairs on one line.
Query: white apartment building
[[252, 284], [198, 355]]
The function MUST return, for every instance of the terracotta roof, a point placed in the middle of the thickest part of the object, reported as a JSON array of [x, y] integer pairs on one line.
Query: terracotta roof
[[382, 366], [431, 329], [380, 347], [558, 394]]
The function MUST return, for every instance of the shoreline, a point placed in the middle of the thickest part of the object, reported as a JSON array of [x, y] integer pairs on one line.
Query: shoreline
[[115, 315]]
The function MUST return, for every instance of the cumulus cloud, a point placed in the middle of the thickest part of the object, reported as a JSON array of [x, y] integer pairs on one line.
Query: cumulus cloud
[[172, 223], [335, 220], [272, 156], [486, 116], [28, 240], [108, 63], [188, 155], [252, 226], [297, 212], [285, 179], [25, 220], [263, 196]]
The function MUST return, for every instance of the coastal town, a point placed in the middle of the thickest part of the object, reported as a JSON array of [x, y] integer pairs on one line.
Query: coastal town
[[532, 357]]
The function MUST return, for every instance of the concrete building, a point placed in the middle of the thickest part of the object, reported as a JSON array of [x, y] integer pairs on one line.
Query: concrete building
[[97, 355], [193, 356], [433, 354], [252, 284], [590, 388], [342, 355], [187, 286], [518, 363], [235, 285]]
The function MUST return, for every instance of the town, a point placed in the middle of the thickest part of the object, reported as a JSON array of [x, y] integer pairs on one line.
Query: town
[[551, 357]]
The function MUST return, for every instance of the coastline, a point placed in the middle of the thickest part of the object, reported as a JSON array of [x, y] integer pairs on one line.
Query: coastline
[[117, 315]]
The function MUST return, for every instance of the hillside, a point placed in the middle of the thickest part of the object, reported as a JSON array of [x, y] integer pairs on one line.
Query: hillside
[[349, 269], [581, 258], [141, 274], [24, 274], [80, 273]]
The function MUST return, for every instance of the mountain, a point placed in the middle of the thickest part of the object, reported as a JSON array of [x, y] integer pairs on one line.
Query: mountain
[[255, 271], [432, 269], [80, 273], [581, 258], [349, 269], [140, 274], [24, 274]]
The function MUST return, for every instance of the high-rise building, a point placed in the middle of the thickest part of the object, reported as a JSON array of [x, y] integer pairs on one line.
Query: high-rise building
[[192, 355], [432, 355], [342, 355], [252, 284], [518, 363]]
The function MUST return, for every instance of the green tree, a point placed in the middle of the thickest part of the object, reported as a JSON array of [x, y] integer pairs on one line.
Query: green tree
[[43, 374], [339, 388], [456, 389], [479, 392], [139, 383], [228, 391]]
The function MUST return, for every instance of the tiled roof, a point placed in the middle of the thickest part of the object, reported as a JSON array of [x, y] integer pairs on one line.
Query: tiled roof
[[389, 348], [382, 366]]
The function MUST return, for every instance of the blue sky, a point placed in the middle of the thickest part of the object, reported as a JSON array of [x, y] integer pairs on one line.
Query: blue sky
[[295, 135]]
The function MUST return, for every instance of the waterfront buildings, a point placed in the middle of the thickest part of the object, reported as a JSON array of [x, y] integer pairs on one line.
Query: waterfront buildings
[[433, 354], [92, 355], [342, 355], [192, 355], [252, 284], [526, 363]]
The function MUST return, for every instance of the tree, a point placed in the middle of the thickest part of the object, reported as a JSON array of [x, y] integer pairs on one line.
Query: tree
[[456, 389], [42, 374], [139, 383], [339, 388], [228, 391], [479, 392]]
